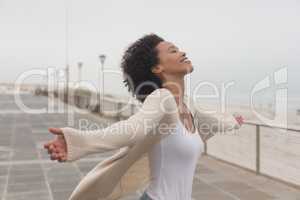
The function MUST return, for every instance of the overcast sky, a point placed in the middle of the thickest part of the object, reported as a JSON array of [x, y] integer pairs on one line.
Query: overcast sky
[[243, 41]]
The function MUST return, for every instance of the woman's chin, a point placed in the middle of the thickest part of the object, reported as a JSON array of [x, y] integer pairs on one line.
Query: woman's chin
[[190, 69], [187, 68]]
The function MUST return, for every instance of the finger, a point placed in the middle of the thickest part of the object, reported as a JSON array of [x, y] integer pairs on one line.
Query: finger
[[60, 148], [52, 152], [52, 157], [46, 145], [58, 158], [57, 150], [62, 160], [49, 151], [239, 120], [61, 157], [55, 131], [59, 145], [55, 156], [51, 147], [64, 157]]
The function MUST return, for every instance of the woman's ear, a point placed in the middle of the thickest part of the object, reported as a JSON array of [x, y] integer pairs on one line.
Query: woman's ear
[[157, 69]]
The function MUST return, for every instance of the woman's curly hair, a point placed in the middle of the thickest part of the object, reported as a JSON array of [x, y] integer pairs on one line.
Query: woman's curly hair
[[137, 62]]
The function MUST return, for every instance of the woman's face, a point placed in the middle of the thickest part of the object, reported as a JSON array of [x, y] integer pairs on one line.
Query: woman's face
[[172, 61]]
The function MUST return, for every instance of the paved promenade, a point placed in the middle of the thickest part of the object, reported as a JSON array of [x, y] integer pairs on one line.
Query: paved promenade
[[27, 173]]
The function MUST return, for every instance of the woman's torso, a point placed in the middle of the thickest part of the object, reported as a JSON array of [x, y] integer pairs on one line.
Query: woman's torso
[[172, 164]]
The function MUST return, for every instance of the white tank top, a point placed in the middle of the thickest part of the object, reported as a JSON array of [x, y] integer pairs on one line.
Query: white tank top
[[172, 165]]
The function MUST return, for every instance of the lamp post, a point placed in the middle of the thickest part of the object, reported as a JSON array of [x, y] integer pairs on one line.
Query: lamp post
[[102, 58], [67, 70], [79, 64]]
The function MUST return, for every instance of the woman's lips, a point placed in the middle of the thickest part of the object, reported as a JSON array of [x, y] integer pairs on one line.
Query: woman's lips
[[185, 60]]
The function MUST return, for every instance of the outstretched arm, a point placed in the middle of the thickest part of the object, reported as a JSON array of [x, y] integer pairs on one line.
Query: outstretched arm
[[208, 124], [122, 133]]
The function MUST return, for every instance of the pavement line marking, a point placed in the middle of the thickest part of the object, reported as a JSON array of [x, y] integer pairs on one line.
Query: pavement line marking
[[11, 112], [28, 162]]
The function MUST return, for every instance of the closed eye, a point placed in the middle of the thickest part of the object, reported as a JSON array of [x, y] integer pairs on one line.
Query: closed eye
[[173, 49]]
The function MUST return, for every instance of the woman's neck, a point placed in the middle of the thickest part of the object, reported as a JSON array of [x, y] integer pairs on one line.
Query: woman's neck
[[176, 87]]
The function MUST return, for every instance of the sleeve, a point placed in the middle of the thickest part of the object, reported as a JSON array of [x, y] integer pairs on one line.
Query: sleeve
[[122, 133], [208, 124]]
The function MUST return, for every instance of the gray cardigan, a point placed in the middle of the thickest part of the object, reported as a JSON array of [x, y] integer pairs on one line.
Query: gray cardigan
[[125, 171]]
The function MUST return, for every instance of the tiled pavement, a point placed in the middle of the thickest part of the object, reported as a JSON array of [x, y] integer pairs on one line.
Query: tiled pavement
[[26, 172]]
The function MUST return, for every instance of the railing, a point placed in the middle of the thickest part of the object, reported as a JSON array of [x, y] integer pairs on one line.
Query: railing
[[272, 151], [256, 149], [88, 100], [258, 133]]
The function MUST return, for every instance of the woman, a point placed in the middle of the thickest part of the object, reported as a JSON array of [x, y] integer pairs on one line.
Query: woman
[[165, 127]]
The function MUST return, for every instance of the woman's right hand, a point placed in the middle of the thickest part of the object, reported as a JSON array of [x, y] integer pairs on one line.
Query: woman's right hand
[[57, 148]]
